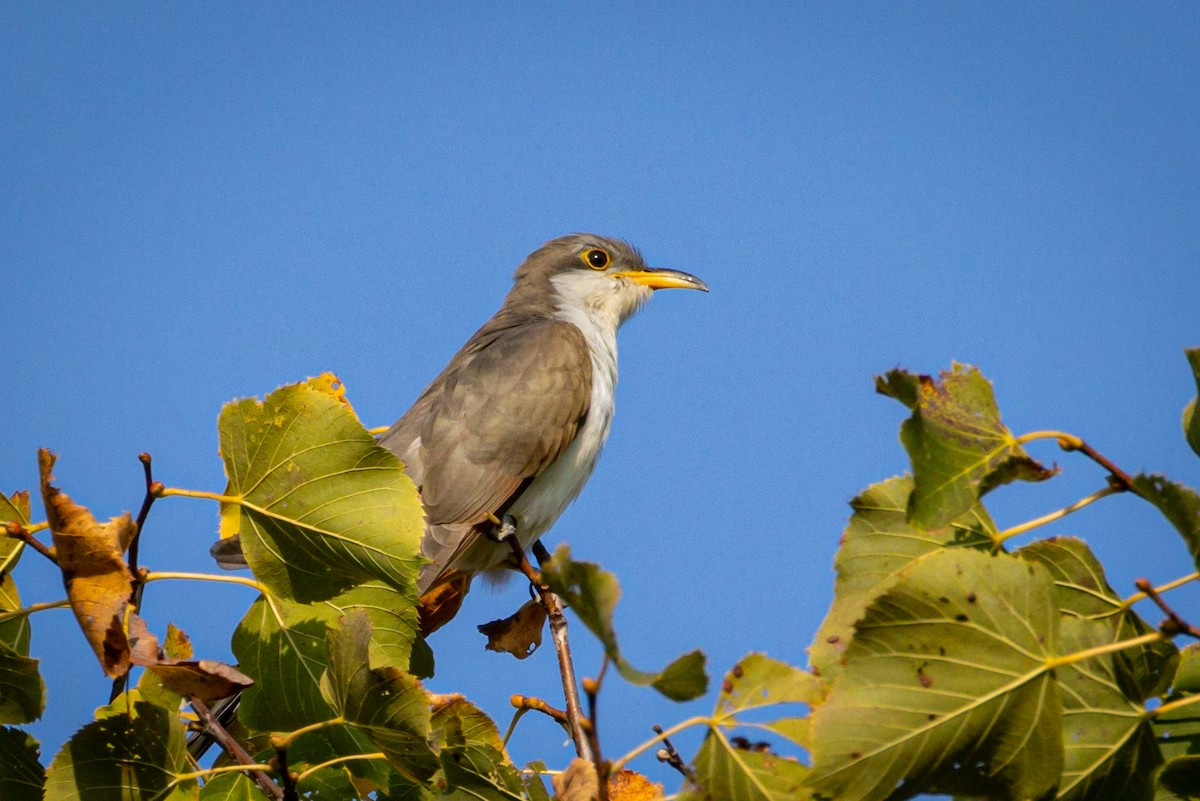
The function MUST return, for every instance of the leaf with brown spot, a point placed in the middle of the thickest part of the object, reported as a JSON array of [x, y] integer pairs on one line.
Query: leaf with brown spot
[[177, 645], [206, 679], [959, 447], [520, 633], [98, 581]]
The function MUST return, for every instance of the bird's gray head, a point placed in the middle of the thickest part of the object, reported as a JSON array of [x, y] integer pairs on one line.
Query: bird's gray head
[[601, 277]]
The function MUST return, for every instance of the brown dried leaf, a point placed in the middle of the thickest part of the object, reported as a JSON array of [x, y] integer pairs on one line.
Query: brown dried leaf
[[628, 785], [206, 679], [98, 581], [519, 634], [143, 646], [441, 603]]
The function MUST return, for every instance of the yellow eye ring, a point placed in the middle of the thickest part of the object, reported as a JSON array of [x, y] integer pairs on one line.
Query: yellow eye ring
[[595, 258]]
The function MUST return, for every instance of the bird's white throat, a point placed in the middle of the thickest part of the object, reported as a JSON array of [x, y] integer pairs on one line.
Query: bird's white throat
[[596, 305]]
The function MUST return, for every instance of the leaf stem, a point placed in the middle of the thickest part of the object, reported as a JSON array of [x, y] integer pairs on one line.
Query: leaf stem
[[1057, 515], [1101, 650], [279, 741], [17, 531], [660, 737], [212, 496], [305, 774], [204, 773], [1170, 585], [1070, 442], [25, 611], [1171, 706], [162, 575]]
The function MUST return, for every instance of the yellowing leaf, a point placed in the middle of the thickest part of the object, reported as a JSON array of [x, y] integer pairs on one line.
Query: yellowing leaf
[[320, 506], [626, 785], [98, 581]]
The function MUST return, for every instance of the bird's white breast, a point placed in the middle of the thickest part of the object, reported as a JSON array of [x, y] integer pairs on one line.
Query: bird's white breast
[[550, 493]]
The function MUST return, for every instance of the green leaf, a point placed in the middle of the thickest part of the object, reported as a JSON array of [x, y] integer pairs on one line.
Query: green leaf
[[1191, 420], [737, 774], [15, 632], [958, 446], [21, 774], [230, 787], [124, 757], [535, 786], [1108, 743], [1178, 728], [281, 644], [876, 544], [593, 594], [725, 771], [1178, 503], [472, 752], [1180, 778], [388, 705], [22, 692], [321, 507], [946, 686], [1187, 676], [1081, 589]]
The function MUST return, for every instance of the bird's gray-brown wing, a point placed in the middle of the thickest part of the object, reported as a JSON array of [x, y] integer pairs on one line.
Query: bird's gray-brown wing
[[505, 407]]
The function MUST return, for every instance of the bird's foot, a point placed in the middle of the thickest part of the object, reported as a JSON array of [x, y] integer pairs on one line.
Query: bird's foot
[[506, 530]]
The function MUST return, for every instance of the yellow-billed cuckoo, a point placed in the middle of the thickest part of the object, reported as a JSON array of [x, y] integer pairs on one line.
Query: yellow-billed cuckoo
[[512, 427]]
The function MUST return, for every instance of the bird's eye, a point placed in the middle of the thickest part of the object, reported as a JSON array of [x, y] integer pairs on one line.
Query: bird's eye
[[596, 258]]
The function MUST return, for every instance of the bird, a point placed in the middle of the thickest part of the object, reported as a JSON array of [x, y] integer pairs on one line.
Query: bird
[[506, 436]]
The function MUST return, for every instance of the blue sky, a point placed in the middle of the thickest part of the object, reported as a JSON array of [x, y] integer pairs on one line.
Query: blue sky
[[205, 202]]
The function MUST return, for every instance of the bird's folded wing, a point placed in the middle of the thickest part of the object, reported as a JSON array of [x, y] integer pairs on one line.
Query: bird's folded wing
[[502, 414]]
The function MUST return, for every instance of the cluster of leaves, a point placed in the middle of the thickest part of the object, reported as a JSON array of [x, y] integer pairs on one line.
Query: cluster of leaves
[[953, 665], [330, 659], [946, 663]]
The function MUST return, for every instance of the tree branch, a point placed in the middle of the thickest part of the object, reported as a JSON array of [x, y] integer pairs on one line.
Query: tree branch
[[213, 728], [558, 632]]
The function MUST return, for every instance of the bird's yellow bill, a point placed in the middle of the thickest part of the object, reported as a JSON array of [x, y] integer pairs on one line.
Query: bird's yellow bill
[[663, 279]]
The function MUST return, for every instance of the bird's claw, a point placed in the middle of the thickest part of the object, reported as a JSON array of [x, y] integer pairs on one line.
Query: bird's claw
[[503, 532]]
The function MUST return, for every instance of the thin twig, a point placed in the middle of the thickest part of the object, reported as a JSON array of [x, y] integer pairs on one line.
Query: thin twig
[[18, 532], [1070, 442], [603, 768], [285, 776], [670, 756], [558, 632], [527, 702], [1174, 624], [153, 489], [138, 584], [214, 729]]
